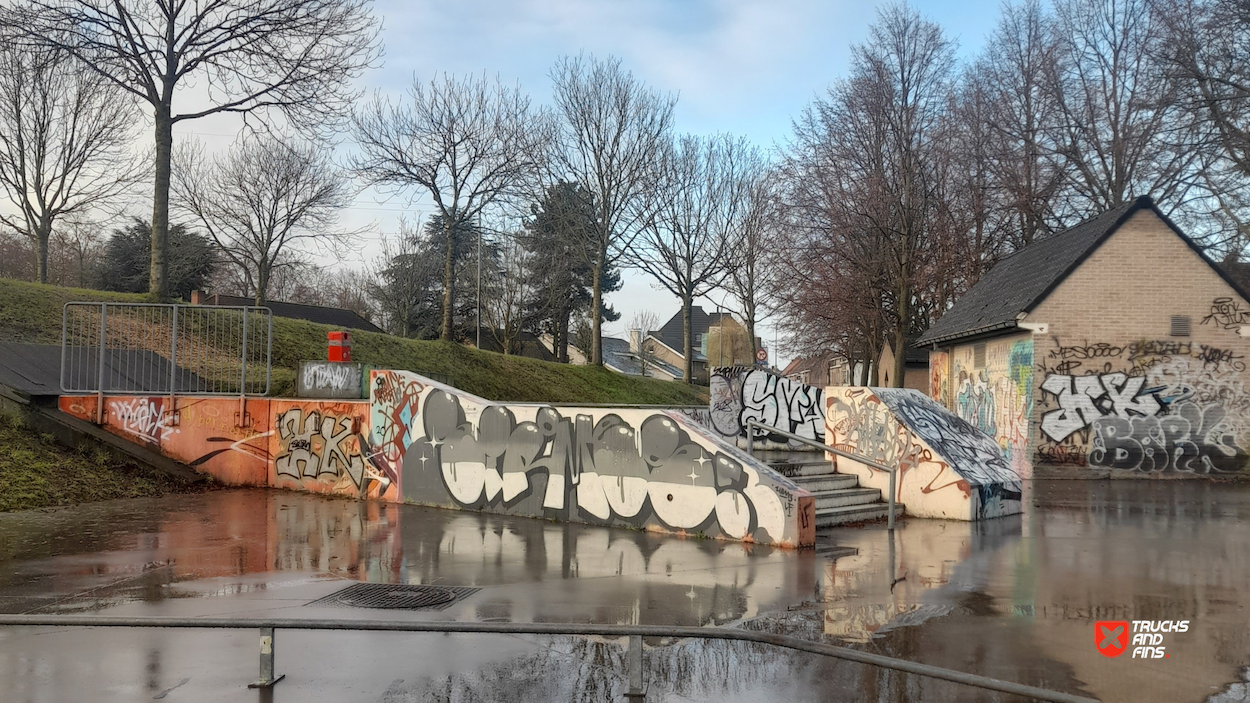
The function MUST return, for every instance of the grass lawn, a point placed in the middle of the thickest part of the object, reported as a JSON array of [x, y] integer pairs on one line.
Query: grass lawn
[[31, 312], [35, 472]]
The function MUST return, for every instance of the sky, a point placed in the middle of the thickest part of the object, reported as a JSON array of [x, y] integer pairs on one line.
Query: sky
[[740, 66]]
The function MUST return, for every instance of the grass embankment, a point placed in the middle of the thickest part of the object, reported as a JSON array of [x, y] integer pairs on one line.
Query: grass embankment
[[31, 312], [36, 472]]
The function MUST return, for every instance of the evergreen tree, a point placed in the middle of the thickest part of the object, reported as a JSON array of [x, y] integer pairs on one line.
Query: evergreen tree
[[558, 239], [128, 256]]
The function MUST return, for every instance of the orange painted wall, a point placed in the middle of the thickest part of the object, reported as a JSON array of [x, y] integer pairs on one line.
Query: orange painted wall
[[300, 444]]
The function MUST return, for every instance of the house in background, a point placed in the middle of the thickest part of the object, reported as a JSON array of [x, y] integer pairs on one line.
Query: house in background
[[720, 329], [334, 317], [915, 368], [1115, 347], [819, 371]]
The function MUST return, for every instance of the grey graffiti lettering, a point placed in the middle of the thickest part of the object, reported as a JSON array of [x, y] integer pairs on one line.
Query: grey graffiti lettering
[[607, 470]]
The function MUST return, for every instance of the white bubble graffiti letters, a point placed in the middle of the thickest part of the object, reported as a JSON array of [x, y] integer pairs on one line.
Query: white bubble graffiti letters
[[144, 417], [1084, 399]]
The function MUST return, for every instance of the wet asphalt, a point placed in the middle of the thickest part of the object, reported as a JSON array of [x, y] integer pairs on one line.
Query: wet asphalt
[[1012, 598]]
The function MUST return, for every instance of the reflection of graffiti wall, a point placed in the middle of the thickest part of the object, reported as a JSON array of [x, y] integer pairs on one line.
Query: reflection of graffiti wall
[[742, 393], [1154, 406], [995, 393], [946, 467], [643, 468]]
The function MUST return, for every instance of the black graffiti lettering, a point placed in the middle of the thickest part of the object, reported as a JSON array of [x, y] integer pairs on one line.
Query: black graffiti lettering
[[1191, 439]]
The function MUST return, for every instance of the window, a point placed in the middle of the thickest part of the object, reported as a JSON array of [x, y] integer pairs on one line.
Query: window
[[978, 356], [1180, 326]]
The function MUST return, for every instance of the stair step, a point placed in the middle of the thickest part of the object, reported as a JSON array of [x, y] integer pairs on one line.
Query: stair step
[[827, 482], [846, 496], [815, 468], [855, 513]]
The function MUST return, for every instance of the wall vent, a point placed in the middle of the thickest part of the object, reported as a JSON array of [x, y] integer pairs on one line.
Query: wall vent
[[978, 356], [1180, 326]]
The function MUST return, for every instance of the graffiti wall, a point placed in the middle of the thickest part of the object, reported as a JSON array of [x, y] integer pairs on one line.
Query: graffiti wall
[[947, 468], [991, 387], [939, 377], [321, 447], [742, 393], [1159, 407], [649, 469], [207, 434], [317, 446]]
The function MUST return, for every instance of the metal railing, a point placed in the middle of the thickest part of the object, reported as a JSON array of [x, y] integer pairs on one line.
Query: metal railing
[[165, 349], [635, 633], [893, 471]]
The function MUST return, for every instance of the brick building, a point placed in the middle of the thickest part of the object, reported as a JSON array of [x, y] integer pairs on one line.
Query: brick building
[[1114, 347]]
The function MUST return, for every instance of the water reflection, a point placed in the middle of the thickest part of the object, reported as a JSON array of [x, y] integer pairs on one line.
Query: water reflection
[[1013, 598]]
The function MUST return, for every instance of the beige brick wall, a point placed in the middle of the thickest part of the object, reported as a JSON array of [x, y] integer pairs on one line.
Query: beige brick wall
[[1181, 404]]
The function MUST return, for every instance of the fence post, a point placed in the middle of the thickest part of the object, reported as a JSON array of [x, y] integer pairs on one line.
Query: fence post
[[890, 521], [637, 693], [267, 678], [173, 359], [243, 376], [99, 405]]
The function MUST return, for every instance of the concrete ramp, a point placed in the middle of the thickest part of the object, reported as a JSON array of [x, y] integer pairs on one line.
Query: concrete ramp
[[644, 468], [947, 467]]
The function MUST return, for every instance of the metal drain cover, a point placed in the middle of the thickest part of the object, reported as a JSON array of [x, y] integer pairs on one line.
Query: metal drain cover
[[392, 596]]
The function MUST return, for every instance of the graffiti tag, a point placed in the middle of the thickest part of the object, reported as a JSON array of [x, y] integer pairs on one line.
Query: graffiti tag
[[1084, 399]]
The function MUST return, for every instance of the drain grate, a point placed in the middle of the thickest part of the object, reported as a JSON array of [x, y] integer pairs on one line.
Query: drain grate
[[392, 596]]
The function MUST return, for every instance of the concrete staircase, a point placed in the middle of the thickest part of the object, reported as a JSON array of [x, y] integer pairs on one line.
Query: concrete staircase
[[839, 497]]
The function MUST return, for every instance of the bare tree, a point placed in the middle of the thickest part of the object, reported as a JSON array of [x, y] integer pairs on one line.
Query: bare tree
[[755, 235], [643, 322], [508, 291], [64, 142], [1207, 49], [1120, 128], [863, 181], [294, 58], [612, 131], [1021, 114], [263, 201], [470, 144], [686, 243]]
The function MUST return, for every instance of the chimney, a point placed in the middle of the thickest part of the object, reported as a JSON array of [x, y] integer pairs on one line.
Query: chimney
[[197, 297], [635, 341]]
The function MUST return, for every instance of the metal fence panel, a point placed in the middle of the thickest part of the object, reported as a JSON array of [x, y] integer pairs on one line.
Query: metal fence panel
[[141, 348]]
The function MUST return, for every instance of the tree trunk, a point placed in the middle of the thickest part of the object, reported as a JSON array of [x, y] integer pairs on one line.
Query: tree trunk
[[158, 282], [562, 335], [42, 235], [688, 344], [596, 307], [900, 337], [262, 284], [449, 281]]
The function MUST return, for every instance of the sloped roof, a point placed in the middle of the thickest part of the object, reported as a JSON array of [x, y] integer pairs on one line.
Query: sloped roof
[[672, 334], [617, 356], [334, 317], [1020, 282]]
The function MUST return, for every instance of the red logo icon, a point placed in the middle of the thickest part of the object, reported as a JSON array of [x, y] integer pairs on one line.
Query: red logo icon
[[1111, 637]]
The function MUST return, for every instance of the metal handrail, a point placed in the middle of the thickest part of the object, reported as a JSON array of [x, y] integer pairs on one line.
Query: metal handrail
[[893, 471], [634, 632]]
